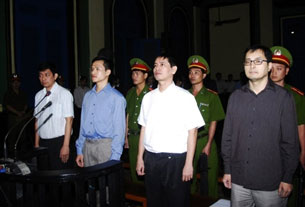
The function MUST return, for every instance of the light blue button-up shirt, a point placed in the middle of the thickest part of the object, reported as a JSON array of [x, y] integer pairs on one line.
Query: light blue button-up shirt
[[103, 116]]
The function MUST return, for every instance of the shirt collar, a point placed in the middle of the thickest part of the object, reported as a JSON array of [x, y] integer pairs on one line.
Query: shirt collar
[[105, 89], [270, 86], [168, 89], [53, 89], [202, 90]]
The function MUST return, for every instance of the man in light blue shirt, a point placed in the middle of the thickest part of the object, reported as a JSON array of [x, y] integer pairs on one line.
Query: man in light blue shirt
[[102, 129]]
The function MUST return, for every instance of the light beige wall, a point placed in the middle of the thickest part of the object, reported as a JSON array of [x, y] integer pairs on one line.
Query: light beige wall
[[96, 26], [228, 41]]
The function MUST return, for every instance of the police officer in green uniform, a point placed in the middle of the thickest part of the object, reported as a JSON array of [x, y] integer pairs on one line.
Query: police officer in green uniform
[[134, 98], [212, 111], [281, 63]]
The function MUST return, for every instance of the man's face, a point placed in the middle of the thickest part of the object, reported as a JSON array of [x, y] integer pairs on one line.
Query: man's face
[[278, 72], [138, 77], [98, 72], [162, 70], [257, 72], [16, 84], [47, 78], [196, 76]]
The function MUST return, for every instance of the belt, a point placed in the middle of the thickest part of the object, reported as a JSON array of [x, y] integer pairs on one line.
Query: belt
[[133, 132], [92, 140], [202, 135], [165, 154]]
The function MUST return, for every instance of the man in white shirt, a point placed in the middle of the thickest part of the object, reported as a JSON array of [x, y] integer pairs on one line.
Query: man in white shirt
[[53, 125], [169, 118]]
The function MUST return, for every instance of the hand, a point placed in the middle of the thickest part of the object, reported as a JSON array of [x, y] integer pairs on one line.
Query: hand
[[64, 154], [302, 159], [285, 189], [187, 173], [140, 167], [126, 145], [80, 160], [207, 149], [227, 181]]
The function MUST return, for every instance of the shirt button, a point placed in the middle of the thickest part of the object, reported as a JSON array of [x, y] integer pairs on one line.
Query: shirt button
[[135, 114], [252, 122], [90, 122], [169, 157], [134, 122], [250, 135], [248, 148], [253, 109], [247, 162], [136, 106]]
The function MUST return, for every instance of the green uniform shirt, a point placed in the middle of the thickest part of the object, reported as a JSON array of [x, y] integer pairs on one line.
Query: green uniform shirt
[[210, 107], [299, 103], [133, 106]]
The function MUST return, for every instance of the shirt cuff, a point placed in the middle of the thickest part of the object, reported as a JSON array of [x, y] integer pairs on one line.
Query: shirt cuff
[[115, 157], [79, 151]]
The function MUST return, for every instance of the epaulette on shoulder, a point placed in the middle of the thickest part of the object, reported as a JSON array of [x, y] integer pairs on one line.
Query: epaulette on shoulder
[[212, 91], [298, 91]]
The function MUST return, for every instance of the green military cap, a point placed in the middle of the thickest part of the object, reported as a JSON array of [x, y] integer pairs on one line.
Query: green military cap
[[138, 64], [196, 61], [281, 55]]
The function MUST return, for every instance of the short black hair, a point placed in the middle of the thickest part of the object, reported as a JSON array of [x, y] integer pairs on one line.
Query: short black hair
[[266, 50], [108, 64], [171, 60], [47, 65]]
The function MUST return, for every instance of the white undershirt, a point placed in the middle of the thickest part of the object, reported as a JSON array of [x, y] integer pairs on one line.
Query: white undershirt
[[167, 117]]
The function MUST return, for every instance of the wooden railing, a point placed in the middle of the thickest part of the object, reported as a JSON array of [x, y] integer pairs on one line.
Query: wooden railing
[[100, 185]]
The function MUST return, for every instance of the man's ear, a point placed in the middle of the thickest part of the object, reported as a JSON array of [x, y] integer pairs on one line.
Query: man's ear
[[56, 76], [108, 72], [287, 70], [145, 75], [204, 75], [269, 66], [174, 69]]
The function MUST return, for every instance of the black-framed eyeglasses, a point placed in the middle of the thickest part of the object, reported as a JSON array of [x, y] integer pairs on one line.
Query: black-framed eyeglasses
[[256, 62]]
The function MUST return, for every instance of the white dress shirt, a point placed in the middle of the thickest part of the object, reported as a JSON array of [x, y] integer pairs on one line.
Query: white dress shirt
[[167, 117], [62, 107]]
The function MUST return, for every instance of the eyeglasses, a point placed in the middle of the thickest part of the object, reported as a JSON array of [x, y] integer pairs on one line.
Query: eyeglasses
[[256, 62]]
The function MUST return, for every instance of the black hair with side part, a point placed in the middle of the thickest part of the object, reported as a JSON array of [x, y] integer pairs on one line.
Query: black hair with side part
[[107, 63], [266, 50], [171, 60], [47, 65]]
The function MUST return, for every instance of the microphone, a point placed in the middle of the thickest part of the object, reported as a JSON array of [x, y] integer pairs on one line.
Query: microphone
[[45, 121], [16, 124], [6, 136], [21, 131], [47, 94], [44, 108]]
